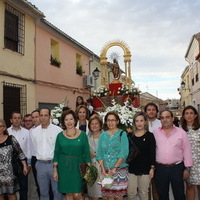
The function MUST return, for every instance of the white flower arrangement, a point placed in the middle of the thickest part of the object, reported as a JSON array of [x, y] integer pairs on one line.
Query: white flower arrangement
[[106, 181], [125, 114], [128, 90], [56, 113], [101, 91]]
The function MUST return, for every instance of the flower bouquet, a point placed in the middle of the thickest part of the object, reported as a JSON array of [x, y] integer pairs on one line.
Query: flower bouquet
[[106, 181], [57, 111], [125, 114], [101, 91], [128, 90]]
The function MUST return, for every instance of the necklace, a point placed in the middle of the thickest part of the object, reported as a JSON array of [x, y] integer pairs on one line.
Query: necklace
[[70, 136]]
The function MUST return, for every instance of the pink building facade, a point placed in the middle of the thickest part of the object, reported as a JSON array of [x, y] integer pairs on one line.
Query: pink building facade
[[61, 63]]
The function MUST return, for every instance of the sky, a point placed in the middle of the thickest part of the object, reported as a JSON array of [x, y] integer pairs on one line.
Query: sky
[[158, 33]]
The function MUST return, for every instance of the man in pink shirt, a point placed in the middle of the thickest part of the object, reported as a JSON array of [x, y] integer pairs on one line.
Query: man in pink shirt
[[173, 157]]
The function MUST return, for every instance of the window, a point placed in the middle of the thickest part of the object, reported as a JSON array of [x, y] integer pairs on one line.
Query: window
[[14, 30], [14, 99], [55, 53], [198, 108], [79, 69], [197, 77], [193, 81], [47, 105]]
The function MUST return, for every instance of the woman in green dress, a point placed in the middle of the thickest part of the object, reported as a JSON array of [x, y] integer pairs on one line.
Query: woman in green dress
[[71, 149]]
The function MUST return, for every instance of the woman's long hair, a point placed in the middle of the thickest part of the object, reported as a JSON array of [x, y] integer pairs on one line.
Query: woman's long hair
[[146, 127], [196, 124], [78, 109], [82, 103], [4, 124]]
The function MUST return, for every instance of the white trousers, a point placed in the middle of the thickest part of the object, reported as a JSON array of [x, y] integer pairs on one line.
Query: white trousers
[[138, 185]]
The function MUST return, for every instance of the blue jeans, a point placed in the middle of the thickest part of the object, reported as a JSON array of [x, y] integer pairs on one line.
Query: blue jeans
[[45, 179]]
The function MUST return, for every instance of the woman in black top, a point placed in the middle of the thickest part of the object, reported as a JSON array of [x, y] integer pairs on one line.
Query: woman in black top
[[141, 167]]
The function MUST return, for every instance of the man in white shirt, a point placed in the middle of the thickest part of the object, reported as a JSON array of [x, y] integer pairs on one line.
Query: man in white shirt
[[151, 110], [44, 138], [33, 184], [23, 137], [28, 122]]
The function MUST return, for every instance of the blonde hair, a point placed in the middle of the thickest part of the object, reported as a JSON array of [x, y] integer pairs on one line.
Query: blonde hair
[[146, 127]]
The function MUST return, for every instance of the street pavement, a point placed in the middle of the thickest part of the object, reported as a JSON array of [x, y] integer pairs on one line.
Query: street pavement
[[35, 197]]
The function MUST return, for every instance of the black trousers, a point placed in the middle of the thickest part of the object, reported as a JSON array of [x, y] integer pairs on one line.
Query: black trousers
[[164, 175], [33, 161], [23, 184]]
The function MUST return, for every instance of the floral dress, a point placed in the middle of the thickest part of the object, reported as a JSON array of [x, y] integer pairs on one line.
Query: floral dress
[[95, 190], [8, 181], [194, 137]]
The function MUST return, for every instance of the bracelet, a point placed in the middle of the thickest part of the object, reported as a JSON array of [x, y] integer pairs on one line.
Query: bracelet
[[187, 168], [152, 167], [55, 166]]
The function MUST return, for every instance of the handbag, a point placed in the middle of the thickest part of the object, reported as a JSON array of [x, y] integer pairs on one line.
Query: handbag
[[89, 173], [16, 162], [133, 152]]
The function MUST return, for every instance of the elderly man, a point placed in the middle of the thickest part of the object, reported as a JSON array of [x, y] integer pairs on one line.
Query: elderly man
[[44, 138], [173, 157]]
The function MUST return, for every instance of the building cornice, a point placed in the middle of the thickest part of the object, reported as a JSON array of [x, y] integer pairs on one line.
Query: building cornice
[[185, 71], [195, 36], [26, 7]]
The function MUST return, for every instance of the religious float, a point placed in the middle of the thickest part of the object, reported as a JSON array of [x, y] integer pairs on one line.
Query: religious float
[[120, 90]]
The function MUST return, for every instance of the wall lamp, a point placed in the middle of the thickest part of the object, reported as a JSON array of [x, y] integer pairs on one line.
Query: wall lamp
[[183, 86], [96, 73]]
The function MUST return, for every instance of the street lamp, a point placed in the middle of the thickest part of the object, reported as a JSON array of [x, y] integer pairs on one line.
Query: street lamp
[[183, 86], [96, 73]]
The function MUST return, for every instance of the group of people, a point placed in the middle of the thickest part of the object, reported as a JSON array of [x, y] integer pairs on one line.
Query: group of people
[[154, 153]]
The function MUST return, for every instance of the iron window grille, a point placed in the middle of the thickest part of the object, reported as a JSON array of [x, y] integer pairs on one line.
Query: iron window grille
[[23, 96], [14, 29]]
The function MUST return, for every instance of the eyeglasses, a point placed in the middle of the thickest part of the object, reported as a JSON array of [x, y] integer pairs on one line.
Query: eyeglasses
[[111, 120]]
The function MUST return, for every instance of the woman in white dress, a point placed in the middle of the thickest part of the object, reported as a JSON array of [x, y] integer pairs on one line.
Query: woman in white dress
[[95, 126], [190, 123]]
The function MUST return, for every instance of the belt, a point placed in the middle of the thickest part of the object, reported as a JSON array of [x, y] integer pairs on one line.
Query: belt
[[45, 161], [171, 165]]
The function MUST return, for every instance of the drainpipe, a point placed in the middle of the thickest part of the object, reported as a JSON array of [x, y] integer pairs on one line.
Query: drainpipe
[[90, 61], [190, 93]]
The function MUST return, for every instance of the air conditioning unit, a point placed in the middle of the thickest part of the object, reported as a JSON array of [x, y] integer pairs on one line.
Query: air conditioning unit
[[89, 81]]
